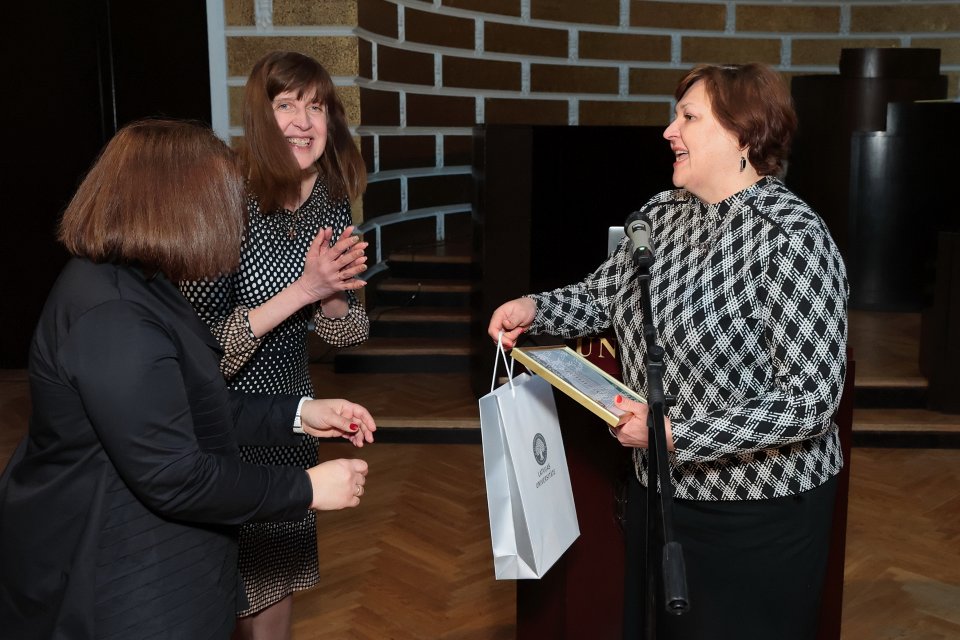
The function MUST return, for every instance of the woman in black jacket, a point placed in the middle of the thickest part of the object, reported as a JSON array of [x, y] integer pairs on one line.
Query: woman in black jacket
[[119, 510]]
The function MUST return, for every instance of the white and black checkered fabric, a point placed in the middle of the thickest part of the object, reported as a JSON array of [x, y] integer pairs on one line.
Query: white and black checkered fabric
[[750, 303]]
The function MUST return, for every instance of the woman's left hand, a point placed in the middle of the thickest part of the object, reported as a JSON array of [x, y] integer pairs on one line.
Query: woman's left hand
[[633, 430], [329, 418], [328, 270]]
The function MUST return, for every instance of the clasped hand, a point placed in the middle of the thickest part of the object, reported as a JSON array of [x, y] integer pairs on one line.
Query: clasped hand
[[328, 270]]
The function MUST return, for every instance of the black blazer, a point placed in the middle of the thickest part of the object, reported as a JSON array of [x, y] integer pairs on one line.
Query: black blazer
[[117, 511]]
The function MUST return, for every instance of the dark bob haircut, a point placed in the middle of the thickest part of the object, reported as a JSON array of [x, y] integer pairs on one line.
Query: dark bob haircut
[[165, 195], [274, 173], [753, 102]]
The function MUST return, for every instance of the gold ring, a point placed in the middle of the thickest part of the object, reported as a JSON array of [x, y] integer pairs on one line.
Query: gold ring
[[359, 490]]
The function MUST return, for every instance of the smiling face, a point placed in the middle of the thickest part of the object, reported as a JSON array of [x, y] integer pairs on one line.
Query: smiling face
[[706, 155], [303, 122]]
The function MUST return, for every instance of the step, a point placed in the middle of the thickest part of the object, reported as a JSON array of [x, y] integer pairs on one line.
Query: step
[[906, 392], [437, 262], [914, 428], [420, 322], [426, 291], [397, 355]]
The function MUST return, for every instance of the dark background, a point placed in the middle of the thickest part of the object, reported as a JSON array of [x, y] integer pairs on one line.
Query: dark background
[[74, 72]]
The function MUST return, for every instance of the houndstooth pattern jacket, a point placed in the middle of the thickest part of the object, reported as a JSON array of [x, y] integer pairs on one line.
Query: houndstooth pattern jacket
[[750, 303]]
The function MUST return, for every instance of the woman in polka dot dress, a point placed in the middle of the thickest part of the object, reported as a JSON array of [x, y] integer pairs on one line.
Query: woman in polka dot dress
[[298, 266]]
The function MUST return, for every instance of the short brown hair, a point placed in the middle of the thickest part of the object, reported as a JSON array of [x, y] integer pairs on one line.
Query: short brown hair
[[274, 174], [167, 195], [753, 102]]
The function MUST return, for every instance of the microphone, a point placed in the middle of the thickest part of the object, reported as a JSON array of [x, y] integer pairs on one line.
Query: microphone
[[637, 228]]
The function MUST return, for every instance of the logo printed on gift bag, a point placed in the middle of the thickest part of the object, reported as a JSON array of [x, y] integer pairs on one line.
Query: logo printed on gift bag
[[540, 455]]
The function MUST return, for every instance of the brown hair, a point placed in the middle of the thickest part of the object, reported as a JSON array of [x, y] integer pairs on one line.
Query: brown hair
[[166, 195], [274, 174], [753, 102]]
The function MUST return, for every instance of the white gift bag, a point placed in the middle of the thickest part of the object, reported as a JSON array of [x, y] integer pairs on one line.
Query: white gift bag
[[533, 519]]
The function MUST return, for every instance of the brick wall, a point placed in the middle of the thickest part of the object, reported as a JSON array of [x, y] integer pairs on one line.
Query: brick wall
[[418, 75]]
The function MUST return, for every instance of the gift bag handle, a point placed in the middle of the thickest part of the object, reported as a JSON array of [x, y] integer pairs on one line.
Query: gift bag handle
[[507, 365]]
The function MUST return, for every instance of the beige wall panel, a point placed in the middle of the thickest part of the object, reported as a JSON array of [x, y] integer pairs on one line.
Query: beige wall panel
[[378, 16], [595, 112], [338, 54], [239, 13], [438, 29], [623, 46], [678, 15], [314, 12], [905, 17], [399, 65], [732, 50], [524, 40], [235, 95], [655, 81], [506, 111], [788, 19], [501, 7], [823, 51], [577, 11], [440, 111], [350, 97], [481, 74], [569, 79]]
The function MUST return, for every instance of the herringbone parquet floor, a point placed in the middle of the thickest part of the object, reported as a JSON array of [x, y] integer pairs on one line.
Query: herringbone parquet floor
[[414, 560]]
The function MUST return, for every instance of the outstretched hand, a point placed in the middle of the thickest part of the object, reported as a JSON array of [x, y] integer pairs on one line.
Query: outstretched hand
[[330, 418], [328, 270]]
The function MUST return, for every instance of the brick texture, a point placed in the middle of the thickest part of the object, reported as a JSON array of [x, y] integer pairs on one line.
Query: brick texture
[[365, 58], [379, 108], [827, 52], [949, 48], [592, 12], [596, 112], [506, 111], [381, 197], [524, 40], [404, 152], [623, 46], [905, 17], [378, 16], [655, 81], [474, 73], [440, 111], [501, 7], [366, 150], [733, 50], [788, 19], [435, 191], [457, 150], [677, 15], [399, 65], [570, 79], [438, 29]]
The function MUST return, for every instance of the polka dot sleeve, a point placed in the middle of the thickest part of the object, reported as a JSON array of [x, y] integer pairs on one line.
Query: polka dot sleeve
[[350, 330]]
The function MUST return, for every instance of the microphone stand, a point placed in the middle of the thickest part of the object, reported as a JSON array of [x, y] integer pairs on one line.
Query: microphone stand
[[659, 512]]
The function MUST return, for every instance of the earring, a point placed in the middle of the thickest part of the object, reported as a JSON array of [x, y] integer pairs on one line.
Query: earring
[[743, 164]]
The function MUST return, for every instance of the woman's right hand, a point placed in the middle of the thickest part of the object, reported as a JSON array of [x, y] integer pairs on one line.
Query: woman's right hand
[[331, 269], [337, 484], [512, 318]]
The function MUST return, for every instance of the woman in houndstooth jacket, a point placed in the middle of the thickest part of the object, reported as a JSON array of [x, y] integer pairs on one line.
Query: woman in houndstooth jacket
[[749, 297]]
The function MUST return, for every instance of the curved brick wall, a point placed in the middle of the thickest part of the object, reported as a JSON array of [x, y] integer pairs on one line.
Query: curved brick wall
[[417, 76]]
